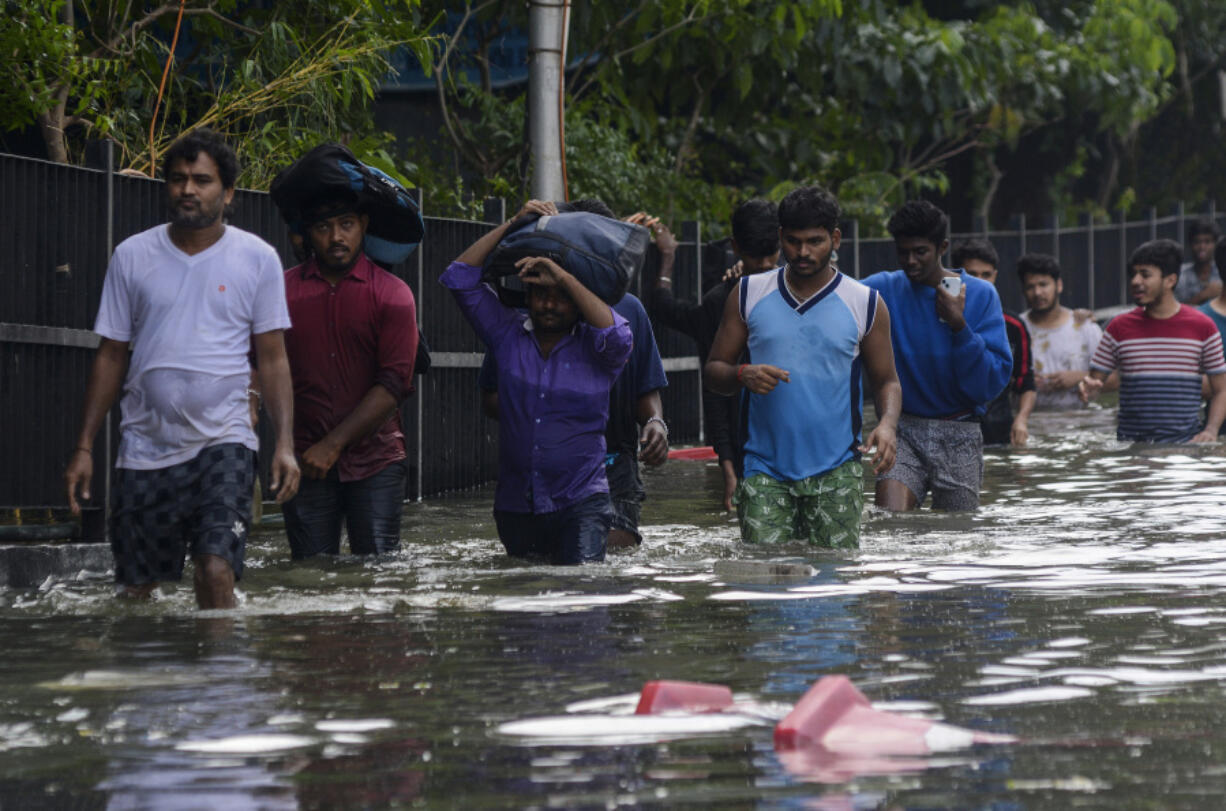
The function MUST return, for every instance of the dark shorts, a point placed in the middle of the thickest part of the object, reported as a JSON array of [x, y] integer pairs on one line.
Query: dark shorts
[[570, 536], [942, 456], [370, 509], [203, 505], [626, 492]]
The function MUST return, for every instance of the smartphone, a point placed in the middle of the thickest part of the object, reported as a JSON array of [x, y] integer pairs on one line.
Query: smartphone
[[952, 285]]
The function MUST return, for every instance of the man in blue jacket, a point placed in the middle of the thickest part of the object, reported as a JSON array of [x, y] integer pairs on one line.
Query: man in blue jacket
[[953, 358]]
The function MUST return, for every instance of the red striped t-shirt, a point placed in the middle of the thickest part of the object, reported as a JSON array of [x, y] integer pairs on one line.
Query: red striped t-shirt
[[1161, 361]]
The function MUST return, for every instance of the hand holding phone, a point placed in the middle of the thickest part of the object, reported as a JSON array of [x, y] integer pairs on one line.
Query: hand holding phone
[[951, 299]]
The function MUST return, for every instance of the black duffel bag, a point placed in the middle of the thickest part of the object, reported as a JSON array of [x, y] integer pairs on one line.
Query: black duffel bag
[[602, 253], [331, 172]]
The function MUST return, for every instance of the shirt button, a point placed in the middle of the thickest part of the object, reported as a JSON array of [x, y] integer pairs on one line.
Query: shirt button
[[538, 419], [542, 395]]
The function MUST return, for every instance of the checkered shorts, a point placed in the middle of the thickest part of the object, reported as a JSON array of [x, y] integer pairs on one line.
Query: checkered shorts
[[204, 503], [943, 457]]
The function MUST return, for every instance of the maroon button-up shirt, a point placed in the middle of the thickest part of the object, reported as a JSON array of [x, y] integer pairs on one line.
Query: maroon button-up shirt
[[345, 340]]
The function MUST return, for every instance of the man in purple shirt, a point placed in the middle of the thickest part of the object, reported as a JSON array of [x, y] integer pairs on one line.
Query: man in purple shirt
[[555, 370]]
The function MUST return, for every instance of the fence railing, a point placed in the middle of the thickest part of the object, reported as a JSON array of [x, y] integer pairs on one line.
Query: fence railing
[[58, 227], [59, 224]]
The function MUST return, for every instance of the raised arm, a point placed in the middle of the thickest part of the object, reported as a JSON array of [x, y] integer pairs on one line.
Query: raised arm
[[476, 253], [547, 273]]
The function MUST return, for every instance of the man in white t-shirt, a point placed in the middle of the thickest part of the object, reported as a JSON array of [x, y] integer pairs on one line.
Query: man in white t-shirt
[[1063, 341], [189, 299]]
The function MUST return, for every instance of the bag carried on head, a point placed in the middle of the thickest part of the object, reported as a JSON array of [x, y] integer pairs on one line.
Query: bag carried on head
[[603, 254], [331, 172]]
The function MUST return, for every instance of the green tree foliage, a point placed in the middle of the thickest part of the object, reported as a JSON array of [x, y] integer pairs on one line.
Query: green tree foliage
[[277, 78], [714, 100]]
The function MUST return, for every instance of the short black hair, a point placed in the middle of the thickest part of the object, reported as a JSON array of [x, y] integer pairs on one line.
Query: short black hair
[[1203, 226], [592, 205], [979, 249], [919, 218], [755, 227], [1038, 263], [809, 207], [1165, 254], [188, 147], [1219, 254]]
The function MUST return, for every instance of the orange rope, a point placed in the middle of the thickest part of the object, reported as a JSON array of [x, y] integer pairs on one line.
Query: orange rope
[[153, 158]]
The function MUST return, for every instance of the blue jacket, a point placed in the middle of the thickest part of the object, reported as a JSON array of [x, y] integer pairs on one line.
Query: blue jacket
[[945, 374]]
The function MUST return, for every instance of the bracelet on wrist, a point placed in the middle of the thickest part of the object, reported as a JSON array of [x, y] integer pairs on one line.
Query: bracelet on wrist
[[660, 420], [664, 280], [255, 393], [90, 451], [740, 370]]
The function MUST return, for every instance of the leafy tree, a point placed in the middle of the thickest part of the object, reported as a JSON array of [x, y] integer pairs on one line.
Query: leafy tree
[[277, 78]]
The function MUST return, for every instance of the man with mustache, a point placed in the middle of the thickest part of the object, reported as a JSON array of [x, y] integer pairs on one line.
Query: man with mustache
[[1160, 349], [810, 331], [351, 349], [953, 359], [190, 299], [1063, 340]]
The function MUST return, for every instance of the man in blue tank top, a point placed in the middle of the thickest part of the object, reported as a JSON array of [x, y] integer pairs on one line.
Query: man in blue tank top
[[953, 359], [809, 332]]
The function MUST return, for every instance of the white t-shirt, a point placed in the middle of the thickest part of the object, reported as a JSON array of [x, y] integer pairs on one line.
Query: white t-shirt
[[1065, 348], [189, 320]]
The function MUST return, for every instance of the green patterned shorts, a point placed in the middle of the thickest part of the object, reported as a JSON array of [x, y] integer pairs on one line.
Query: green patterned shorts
[[824, 510]]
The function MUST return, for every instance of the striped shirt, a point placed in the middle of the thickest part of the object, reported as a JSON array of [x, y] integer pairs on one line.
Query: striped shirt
[[1161, 361]]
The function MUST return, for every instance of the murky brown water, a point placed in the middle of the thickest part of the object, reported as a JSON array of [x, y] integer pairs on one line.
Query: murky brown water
[[1083, 609]]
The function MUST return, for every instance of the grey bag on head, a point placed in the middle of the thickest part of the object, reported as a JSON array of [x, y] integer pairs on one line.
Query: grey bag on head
[[603, 254]]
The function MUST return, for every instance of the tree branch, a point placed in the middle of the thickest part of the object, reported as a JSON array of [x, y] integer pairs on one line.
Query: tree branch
[[687, 20]]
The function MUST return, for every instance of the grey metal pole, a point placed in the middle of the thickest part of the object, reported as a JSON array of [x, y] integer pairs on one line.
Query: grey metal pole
[[1123, 256], [1021, 229], [1055, 236], [691, 231], [107, 439], [545, 35], [421, 399], [1090, 274], [855, 247]]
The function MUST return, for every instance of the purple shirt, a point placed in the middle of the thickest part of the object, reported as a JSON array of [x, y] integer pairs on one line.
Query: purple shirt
[[551, 411]]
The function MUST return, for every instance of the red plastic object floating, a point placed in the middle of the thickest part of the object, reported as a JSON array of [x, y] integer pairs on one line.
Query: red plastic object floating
[[837, 717], [701, 454], [683, 696]]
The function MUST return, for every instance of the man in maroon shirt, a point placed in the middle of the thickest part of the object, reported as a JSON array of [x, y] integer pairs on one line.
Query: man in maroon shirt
[[351, 350]]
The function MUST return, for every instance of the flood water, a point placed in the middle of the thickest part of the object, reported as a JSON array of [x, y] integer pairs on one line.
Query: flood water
[[1082, 609]]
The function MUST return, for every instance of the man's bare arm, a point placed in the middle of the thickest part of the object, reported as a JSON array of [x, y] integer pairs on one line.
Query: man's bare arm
[[105, 380], [278, 393], [878, 352]]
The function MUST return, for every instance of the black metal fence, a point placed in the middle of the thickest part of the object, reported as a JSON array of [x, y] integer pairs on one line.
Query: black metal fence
[[59, 224]]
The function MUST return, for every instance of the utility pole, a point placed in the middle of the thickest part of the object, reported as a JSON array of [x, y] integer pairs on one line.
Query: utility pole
[[546, 33]]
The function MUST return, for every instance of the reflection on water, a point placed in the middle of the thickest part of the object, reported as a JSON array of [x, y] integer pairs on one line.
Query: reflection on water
[[1083, 609]]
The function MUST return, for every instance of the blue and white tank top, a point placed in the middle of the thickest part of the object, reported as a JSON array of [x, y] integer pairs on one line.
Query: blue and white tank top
[[810, 425]]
